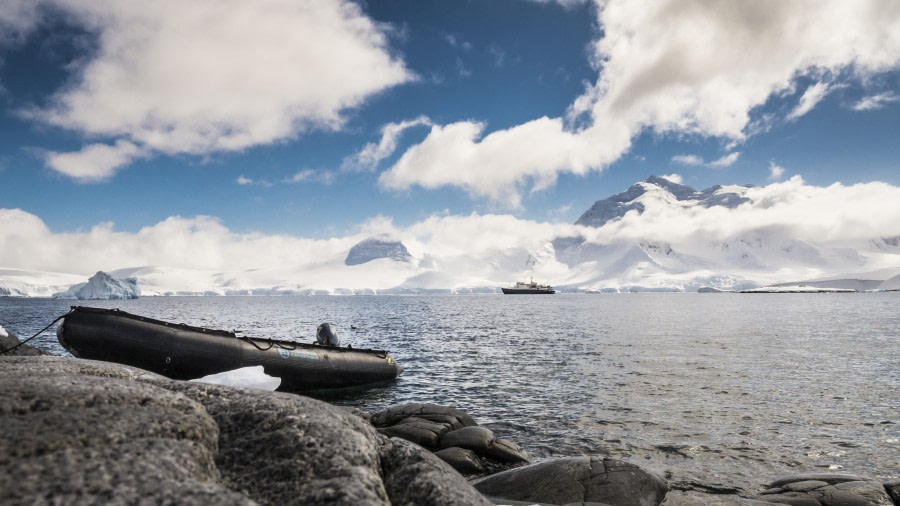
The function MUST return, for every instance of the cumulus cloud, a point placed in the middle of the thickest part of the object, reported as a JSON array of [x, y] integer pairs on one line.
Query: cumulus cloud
[[700, 68], [675, 178], [95, 162], [874, 102], [775, 171], [833, 215], [213, 75], [368, 158]]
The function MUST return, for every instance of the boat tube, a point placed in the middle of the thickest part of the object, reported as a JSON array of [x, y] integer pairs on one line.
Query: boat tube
[[183, 352]]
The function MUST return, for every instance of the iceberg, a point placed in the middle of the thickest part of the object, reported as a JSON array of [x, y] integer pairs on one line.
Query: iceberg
[[245, 377], [102, 286]]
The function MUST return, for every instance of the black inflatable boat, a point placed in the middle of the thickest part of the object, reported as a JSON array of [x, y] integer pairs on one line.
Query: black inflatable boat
[[180, 351]]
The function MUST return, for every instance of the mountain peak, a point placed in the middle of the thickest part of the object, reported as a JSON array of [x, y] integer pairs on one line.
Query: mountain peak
[[614, 207], [377, 247]]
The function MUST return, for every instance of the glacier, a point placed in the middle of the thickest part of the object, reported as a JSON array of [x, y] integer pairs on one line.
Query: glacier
[[656, 236]]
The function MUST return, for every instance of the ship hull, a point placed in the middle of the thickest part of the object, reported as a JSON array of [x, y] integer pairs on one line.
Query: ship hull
[[526, 291]]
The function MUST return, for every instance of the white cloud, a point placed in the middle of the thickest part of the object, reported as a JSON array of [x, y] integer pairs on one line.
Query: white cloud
[[367, 158], [217, 75], [675, 178], [492, 166], [775, 171], [701, 68], [246, 181], [568, 4], [689, 160], [95, 162], [726, 161], [325, 177], [696, 161], [873, 102], [835, 215], [812, 96]]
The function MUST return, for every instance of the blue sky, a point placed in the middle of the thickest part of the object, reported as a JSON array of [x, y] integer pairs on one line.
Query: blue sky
[[116, 113]]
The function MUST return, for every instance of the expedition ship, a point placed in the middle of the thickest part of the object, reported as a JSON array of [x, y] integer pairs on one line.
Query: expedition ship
[[531, 288]]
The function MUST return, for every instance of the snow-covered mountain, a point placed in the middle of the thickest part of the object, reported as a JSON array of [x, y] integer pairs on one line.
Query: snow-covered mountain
[[657, 235], [102, 286], [636, 199], [374, 248]]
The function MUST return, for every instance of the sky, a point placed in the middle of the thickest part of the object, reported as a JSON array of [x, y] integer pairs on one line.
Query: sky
[[322, 119]]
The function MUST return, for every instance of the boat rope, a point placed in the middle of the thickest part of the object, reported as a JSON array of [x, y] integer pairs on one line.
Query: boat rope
[[58, 318]]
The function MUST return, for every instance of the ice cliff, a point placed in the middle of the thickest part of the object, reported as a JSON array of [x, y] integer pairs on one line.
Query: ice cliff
[[102, 286]]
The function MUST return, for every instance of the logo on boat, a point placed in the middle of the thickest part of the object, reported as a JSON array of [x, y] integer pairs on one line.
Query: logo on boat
[[309, 355], [390, 360]]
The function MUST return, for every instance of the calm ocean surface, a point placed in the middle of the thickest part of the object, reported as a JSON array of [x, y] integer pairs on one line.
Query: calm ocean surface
[[723, 390]]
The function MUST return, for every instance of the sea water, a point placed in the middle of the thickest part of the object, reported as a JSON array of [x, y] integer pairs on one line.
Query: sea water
[[717, 391]]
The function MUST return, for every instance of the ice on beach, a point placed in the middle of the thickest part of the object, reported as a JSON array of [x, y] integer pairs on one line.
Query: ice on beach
[[245, 377]]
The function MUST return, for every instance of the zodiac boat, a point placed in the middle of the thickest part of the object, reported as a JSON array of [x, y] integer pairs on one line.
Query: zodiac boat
[[183, 352]]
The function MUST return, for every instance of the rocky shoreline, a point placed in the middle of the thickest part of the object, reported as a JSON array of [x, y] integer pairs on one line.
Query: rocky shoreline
[[85, 432]]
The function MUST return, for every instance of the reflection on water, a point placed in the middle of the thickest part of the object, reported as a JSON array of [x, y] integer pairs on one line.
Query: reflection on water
[[725, 390]]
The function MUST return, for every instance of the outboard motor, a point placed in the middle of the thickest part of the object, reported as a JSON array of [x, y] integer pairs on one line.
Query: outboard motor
[[325, 335]]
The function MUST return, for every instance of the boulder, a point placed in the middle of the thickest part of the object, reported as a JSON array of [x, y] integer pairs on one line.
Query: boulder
[[822, 489], [80, 432], [451, 417], [477, 439], [418, 430], [893, 490], [89, 432], [8, 341], [577, 479], [437, 427], [464, 461], [482, 441], [694, 498]]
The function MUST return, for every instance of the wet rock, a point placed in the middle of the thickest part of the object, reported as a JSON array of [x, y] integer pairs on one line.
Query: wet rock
[[88, 432], [893, 490], [440, 427], [477, 439], [575, 480], [451, 417], [464, 461], [819, 489], [8, 340], [414, 477], [418, 430], [506, 451], [694, 498]]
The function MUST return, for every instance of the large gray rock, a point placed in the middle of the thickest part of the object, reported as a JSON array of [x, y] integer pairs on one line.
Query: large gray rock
[[80, 432], [464, 461], [452, 418], [8, 341], [821, 489], [694, 498], [577, 479], [436, 427], [418, 430], [87, 432], [893, 490]]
